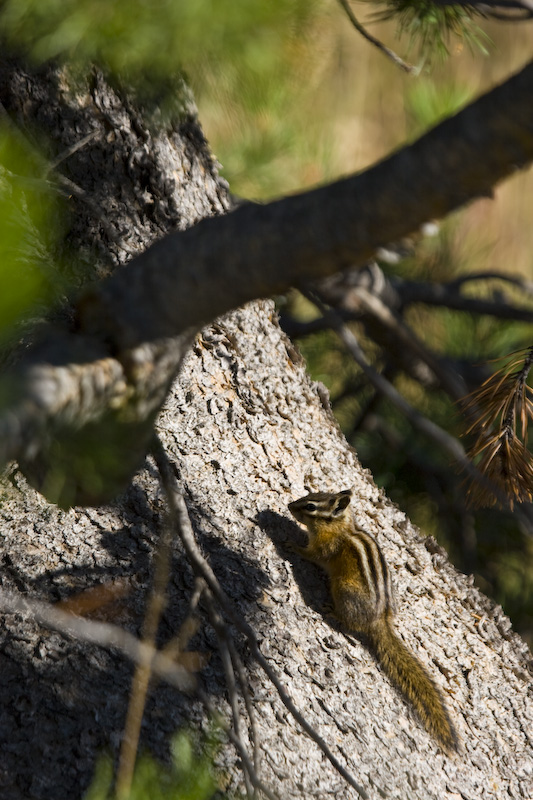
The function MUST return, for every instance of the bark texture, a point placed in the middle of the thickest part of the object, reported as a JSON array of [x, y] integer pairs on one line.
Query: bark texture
[[246, 430]]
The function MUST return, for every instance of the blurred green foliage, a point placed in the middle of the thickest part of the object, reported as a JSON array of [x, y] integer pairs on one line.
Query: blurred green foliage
[[29, 228], [190, 775], [145, 41], [428, 103]]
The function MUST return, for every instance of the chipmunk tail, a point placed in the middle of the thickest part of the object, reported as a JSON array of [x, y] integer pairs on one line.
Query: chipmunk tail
[[408, 675]]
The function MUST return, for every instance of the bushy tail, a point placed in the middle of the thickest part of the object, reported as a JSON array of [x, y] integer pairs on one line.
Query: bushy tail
[[409, 676]]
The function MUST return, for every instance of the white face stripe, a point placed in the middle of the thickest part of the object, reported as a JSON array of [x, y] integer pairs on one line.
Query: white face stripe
[[323, 504]]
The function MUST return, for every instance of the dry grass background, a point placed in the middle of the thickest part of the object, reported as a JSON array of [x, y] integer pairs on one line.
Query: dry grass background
[[345, 106]]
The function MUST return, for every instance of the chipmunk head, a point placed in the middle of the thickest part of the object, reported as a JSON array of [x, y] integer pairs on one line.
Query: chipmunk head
[[321, 506]]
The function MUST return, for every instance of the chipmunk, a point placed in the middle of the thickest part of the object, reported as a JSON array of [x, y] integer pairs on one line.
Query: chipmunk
[[362, 600]]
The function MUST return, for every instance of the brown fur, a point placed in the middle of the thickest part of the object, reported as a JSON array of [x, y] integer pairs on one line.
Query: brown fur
[[362, 599]]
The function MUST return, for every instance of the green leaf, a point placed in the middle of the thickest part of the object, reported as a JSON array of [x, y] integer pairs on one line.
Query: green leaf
[[28, 231]]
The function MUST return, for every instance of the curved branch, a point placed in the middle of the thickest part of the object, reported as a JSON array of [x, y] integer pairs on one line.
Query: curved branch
[[188, 279], [129, 323], [394, 57]]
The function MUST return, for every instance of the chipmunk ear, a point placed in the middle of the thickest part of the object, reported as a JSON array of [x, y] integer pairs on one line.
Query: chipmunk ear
[[343, 501]]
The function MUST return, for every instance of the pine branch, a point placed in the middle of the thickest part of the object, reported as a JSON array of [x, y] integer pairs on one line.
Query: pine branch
[[502, 408]]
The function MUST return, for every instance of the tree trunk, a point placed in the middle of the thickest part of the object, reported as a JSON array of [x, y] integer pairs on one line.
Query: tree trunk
[[246, 431]]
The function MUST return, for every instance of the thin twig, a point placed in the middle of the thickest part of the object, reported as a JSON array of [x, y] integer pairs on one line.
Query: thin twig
[[102, 634], [223, 637], [69, 151], [238, 667], [68, 188], [253, 730], [258, 784], [141, 678], [448, 295], [201, 567], [175, 647], [403, 334], [409, 68]]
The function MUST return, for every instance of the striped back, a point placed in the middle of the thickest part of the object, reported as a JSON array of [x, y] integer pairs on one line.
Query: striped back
[[328, 519], [371, 568]]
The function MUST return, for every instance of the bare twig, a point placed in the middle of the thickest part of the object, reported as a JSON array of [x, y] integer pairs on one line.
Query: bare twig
[[68, 188], [178, 643], [238, 746], [141, 678], [69, 151], [253, 731], [201, 567], [412, 70], [223, 639], [445, 295], [101, 634], [443, 439], [243, 681], [403, 334]]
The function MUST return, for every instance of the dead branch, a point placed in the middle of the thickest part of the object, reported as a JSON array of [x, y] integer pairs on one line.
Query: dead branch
[[102, 634], [438, 435]]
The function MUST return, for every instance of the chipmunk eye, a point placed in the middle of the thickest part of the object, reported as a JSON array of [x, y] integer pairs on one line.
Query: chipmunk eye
[[309, 507]]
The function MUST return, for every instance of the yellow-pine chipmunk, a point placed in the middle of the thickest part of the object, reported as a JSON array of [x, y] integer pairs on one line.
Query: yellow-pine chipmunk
[[362, 600]]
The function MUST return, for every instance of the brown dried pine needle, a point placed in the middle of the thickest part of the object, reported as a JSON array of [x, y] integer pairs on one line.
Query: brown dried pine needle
[[500, 405]]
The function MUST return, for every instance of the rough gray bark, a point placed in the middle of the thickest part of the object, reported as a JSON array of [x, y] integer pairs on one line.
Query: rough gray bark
[[246, 430]]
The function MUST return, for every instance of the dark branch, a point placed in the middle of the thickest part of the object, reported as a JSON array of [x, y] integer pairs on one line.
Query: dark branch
[[189, 278], [394, 57], [115, 373], [510, 10]]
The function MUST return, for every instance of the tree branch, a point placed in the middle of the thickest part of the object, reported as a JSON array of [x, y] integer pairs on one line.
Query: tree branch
[[432, 431], [394, 57], [102, 634], [119, 366], [188, 279]]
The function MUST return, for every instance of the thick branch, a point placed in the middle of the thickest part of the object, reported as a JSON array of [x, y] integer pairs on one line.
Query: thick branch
[[192, 277], [131, 320]]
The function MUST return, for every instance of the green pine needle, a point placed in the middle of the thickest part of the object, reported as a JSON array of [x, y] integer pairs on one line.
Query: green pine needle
[[430, 26]]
